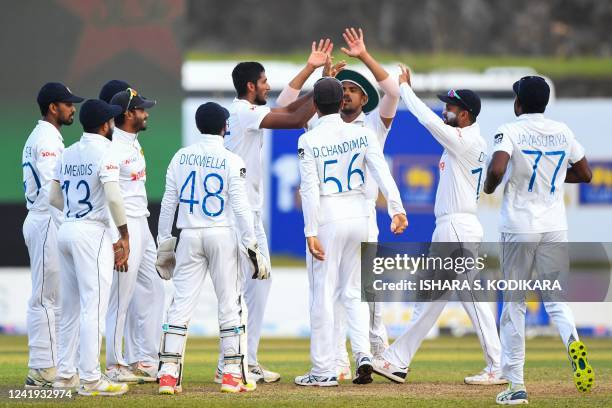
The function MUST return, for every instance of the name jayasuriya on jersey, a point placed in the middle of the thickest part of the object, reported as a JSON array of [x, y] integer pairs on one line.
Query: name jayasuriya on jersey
[[542, 140], [76, 170], [211, 162], [344, 147]]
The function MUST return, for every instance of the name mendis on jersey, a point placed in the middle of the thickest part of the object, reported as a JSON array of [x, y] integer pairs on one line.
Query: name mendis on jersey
[[76, 170], [344, 147], [212, 162], [542, 140]]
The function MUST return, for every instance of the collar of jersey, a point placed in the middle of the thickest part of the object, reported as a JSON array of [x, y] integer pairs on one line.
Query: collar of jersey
[[94, 137], [527, 116], [333, 118], [50, 126], [359, 120], [123, 136], [204, 137], [244, 101]]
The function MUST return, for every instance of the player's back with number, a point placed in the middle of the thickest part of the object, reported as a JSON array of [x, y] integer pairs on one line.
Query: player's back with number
[[540, 151], [202, 174], [84, 167]]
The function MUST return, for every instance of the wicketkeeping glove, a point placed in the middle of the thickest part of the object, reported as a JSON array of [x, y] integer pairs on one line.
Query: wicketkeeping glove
[[260, 263], [166, 259]]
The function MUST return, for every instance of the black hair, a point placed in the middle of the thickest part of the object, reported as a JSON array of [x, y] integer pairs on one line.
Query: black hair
[[94, 129], [210, 129], [44, 108], [328, 108], [532, 108], [120, 119], [244, 73]]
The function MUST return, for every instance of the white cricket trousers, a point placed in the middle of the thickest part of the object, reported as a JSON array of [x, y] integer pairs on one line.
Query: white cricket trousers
[[40, 235], [450, 228], [86, 261], [337, 279], [256, 291], [378, 331], [521, 253], [136, 305], [203, 251]]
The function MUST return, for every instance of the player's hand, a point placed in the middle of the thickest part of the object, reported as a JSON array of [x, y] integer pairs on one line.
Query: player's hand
[[404, 77], [315, 248], [122, 252], [319, 53], [330, 70], [399, 223], [166, 258], [354, 41], [260, 263]]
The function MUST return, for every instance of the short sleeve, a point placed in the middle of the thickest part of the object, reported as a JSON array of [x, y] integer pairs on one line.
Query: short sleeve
[[576, 152], [502, 142], [109, 167], [252, 116]]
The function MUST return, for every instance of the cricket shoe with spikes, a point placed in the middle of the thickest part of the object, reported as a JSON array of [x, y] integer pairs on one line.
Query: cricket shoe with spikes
[[71, 383], [310, 380], [261, 375], [103, 387], [233, 383], [486, 377], [392, 372], [584, 375], [363, 374], [40, 378]]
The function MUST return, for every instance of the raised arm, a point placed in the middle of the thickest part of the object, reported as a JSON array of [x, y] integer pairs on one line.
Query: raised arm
[[285, 118], [357, 49]]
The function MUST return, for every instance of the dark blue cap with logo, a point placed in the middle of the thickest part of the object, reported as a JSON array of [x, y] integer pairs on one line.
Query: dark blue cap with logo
[[130, 99], [464, 98], [56, 92], [95, 112], [211, 115], [532, 92], [111, 88]]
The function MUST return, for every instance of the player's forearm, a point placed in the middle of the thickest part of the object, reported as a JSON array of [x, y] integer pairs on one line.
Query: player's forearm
[[375, 68], [115, 206], [492, 181]]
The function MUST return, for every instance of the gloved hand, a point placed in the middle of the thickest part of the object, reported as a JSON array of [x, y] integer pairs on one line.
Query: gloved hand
[[166, 259], [260, 263]]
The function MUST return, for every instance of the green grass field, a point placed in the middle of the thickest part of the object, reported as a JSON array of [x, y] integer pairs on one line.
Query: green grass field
[[435, 379]]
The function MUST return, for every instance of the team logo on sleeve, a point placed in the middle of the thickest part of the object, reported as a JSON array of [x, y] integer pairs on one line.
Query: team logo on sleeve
[[498, 138], [243, 172], [300, 153]]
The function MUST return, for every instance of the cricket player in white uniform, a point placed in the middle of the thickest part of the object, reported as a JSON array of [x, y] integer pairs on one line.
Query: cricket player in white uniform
[[360, 107], [123, 297], [543, 154], [461, 167], [333, 158], [89, 178], [41, 152], [208, 183], [248, 118]]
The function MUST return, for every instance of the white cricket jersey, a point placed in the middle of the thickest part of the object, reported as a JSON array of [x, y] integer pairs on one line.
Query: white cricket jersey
[[208, 183], [85, 167], [540, 151], [333, 158], [132, 172], [39, 159], [462, 162], [245, 138]]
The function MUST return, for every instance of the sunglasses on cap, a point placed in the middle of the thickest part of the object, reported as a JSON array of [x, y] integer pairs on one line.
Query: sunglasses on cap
[[133, 93]]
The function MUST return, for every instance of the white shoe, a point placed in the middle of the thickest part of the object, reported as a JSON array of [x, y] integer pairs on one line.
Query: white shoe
[[119, 373], [363, 373], [394, 373], [71, 383], [486, 378], [260, 375], [309, 380], [219, 376], [145, 372], [512, 396], [40, 378], [103, 386], [344, 373]]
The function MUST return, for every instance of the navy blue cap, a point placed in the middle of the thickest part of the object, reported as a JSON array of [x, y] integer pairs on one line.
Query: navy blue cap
[[211, 115], [533, 92], [56, 92], [328, 90], [111, 88], [465, 98], [95, 113], [130, 99]]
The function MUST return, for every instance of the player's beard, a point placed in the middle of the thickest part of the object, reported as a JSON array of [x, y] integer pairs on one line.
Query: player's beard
[[450, 118], [109, 133], [260, 98], [67, 121], [347, 109]]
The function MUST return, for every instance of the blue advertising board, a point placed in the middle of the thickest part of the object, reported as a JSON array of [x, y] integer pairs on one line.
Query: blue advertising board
[[599, 190], [413, 155]]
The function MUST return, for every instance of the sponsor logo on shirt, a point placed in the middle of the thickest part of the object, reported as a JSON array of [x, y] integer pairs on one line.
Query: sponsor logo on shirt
[[48, 154], [441, 165], [139, 175], [300, 153], [243, 172], [111, 167], [498, 138]]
